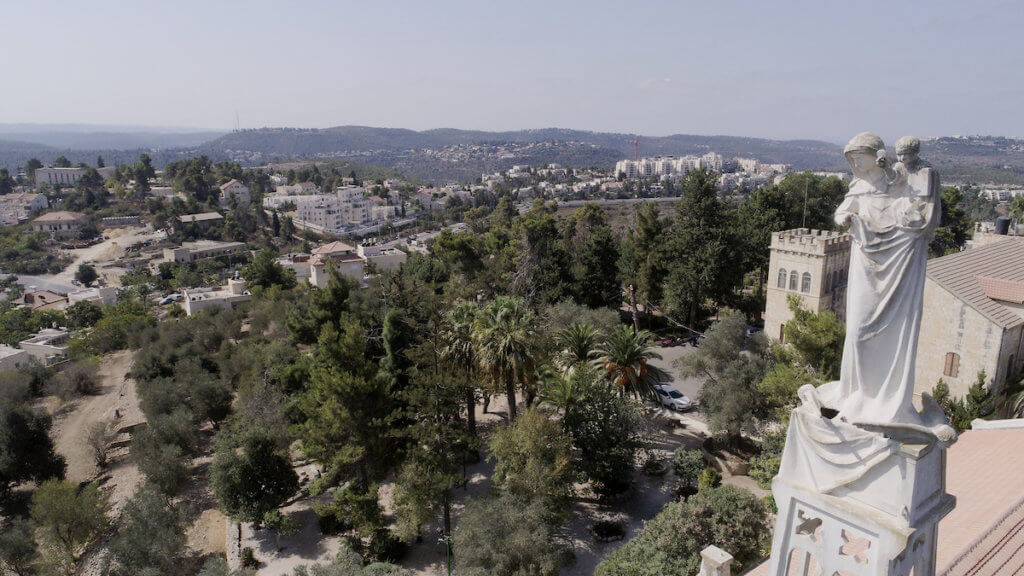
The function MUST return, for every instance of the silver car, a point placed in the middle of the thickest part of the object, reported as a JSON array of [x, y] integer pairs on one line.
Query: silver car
[[673, 399]]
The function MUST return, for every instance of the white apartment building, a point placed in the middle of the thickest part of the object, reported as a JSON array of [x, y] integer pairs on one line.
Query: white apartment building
[[58, 177], [750, 165], [660, 166], [712, 161], [1002, 194], [334, 213], [381, 257], [300, 189]]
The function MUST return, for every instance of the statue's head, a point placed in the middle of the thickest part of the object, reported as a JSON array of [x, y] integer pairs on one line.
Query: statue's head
[[863, 152], [907, 149]]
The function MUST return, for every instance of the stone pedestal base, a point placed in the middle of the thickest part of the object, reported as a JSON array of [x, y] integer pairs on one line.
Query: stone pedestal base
[[882, 524]]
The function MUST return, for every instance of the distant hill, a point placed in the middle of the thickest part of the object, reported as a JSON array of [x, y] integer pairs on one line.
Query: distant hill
[[465, 154], [90, 137], [451, 154]]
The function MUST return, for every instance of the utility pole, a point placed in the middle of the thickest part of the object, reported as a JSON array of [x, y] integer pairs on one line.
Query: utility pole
[[803, 222]]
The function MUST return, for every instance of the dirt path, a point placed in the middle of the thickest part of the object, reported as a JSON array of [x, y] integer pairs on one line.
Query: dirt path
[[116, 394], [120, 240]]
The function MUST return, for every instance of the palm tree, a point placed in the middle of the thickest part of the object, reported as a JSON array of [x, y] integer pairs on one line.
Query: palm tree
[[458, 348], [505, 333], [624, 358], [578, 343], [558, 390]]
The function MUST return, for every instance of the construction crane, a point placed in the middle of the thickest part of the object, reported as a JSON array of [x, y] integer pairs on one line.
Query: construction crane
[[636, 149]]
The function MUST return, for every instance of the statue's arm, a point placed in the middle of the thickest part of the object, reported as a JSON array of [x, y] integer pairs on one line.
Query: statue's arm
[[847, 210]]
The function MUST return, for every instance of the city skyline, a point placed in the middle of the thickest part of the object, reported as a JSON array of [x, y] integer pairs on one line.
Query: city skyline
[[794, 71]]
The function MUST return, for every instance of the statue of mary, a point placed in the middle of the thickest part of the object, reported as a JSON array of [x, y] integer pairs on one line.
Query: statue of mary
[[892, 213]]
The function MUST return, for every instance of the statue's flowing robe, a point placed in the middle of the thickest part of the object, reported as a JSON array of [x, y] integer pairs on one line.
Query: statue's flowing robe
[[885, 293]]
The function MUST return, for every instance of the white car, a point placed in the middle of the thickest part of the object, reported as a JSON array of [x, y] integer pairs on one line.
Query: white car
[[673, 399]]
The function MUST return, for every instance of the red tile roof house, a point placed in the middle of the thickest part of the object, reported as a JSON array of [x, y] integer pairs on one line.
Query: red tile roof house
[[340, 255]]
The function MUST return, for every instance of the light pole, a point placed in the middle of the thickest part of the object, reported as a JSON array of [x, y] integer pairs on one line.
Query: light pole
[[447, 541]]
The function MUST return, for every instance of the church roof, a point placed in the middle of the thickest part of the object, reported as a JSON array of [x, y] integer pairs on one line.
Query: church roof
[[967, 274]]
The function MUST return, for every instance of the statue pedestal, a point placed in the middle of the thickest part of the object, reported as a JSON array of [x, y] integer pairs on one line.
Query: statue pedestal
[[884, 523]]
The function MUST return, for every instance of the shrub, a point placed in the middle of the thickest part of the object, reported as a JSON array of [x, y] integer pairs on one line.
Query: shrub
[[504, 537], [248, 559], [710, 478], [77, 379], [608, 431], [534, 461], [731, 518], [688, 463], [385, 546], [655, 466], [165, 465]]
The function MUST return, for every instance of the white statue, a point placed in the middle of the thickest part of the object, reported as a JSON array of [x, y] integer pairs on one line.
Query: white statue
[[891, 223], [861, 463]]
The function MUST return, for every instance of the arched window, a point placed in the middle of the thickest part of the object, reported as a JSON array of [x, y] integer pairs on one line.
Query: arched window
[[805, 283], [794, 280], [782, 278]]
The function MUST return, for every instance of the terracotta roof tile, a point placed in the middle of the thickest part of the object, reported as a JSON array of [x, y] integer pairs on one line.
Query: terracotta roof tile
[[958, 274], [1004, 290], [333, 248]]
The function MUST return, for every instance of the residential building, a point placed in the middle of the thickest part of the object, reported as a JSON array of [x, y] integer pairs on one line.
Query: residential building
[[750, 165], [164, 193], [986, 233], [236, 190], [62, 177], [276, 201], [381, 257], [48, 346], [192, 251], [300, 189], [338, 255], [202, 221], [60, 224], [16, 208], [43, 300], [334, 213], [98, 295], [973, 318], [712, 161], [811, 264], [12, 358], [298, 263], [226, 297]]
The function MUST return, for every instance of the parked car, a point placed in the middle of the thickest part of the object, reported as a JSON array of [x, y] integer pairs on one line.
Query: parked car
[[673, 399], [753, 329]]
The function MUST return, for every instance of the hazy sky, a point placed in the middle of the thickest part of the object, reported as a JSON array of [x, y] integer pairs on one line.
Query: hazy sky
[[816, 69]]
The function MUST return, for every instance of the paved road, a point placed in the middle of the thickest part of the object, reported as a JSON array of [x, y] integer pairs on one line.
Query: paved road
[[689, 386], [42, 283]]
